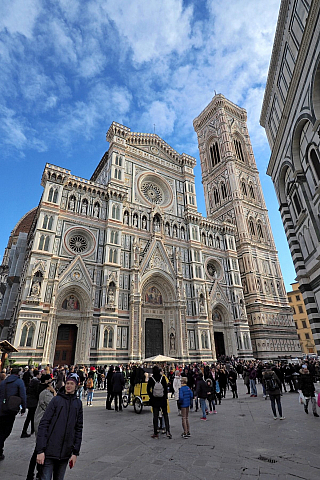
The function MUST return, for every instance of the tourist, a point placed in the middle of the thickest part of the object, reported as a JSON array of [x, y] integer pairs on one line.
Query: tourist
[[273, 388], [176, 386], [233, 382], [109, 388], [117, 383], [201, 392], [211, 395], [46, 393], [60, 432], [90, 385], [32, 402], [252, 378], [306, 387], [157, 390], [185, 399], [12, 386]]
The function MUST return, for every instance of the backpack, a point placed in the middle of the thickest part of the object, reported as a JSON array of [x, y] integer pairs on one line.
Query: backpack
[[89, 382], [158, 388], [271, 384]]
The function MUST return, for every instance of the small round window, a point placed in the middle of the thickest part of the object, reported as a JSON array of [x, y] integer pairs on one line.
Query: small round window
[[78, 243]]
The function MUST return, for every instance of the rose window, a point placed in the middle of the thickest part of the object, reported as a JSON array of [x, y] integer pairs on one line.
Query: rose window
[[152, 192], [78, 243]]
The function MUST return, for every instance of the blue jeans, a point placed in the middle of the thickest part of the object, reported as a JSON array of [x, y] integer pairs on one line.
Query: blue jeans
[[80, 392], [253, 387], [55, 467], [203, 406], [90, 396]]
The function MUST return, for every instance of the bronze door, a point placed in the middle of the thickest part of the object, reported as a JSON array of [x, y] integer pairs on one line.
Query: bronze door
[[154, 337], [66, 345], [219, 344]]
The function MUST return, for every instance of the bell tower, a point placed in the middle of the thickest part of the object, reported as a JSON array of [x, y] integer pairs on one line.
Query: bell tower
[[233, 194]]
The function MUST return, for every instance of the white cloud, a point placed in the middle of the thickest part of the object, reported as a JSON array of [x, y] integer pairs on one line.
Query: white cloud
[[19, 16], [160, 116]]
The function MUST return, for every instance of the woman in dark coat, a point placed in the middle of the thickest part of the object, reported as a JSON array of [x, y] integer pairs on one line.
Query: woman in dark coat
[[306, 386], [158, 401], [273, 389]]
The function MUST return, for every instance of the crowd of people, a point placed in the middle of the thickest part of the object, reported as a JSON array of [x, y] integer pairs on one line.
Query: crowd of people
[[54, 397]]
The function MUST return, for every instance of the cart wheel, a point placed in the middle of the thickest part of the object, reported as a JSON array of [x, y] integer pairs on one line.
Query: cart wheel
[[125, 401], [138, 405]]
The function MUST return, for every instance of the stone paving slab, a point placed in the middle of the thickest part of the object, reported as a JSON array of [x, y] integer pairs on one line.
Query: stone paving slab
[[241, 442]]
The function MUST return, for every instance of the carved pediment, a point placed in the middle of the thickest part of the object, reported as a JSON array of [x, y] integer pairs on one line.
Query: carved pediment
[[76, 274], [156, 258]]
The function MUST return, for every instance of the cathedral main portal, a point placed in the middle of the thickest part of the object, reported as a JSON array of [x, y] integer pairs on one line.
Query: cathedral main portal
[[153, 337], [66, 344]]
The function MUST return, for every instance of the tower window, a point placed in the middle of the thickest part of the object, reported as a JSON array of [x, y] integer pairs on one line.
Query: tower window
[[251, 227], [251, 190], [215, 154], [216, 196], [223, 190], [238, 149], [297, 203], [259, 230], [315, 162], [244, 188]]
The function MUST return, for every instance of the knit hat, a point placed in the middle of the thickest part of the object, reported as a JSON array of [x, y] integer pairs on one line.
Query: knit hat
[[74, 377]]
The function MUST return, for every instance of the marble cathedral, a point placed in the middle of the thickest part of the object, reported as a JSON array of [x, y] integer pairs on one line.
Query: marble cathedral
[[123, 266]]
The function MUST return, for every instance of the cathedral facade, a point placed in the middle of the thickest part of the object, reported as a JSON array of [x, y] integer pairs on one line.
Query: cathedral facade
[[122, 267]]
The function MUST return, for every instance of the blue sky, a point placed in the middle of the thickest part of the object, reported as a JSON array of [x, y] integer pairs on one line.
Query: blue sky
[[69, 68]]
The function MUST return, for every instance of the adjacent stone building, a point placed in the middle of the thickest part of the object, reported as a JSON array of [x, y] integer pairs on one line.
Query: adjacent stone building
[[291, 117], [301, 320], [123, 266]]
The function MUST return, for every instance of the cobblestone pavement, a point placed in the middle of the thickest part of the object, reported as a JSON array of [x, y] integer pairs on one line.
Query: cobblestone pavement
[[241, 442]]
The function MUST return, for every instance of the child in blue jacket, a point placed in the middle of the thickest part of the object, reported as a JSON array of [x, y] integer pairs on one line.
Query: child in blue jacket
[[185, 399]]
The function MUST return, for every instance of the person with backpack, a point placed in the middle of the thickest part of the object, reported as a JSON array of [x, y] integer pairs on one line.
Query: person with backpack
[[117, 387], [90, 386], [12, 395], [157, 390], [273, 389]]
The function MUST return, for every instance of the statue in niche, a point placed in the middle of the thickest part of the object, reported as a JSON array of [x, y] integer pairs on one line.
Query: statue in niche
[[172, 341], [167, 229], [156, 224], [201, 303], [96, 211], [135, 220], [144, 223], [71, 203], [111, 297], [175, 231], [182, 234], [35, 291], [84, 208], [71, 303], [126, 218]]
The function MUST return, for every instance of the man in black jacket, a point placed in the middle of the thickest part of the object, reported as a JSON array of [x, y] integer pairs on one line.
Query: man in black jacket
[[60, 432], [201, 393], [11, 386], [32, 402], [117, 387], [306, 386]]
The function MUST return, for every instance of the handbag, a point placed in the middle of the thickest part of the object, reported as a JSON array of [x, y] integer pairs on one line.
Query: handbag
[[302, 399], [11, 404]]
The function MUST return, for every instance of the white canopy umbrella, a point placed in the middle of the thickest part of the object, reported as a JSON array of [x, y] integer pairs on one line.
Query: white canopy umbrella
[[160, 359]]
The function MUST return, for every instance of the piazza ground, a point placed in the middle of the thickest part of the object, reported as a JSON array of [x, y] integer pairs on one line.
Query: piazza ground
[[241, 442]]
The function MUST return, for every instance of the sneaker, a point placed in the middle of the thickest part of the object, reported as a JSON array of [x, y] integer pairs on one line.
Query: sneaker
[[25, 435], [188, 434], [282, 418], [315, 414], [275, 418], [163, 431], [155, 436], [169, 435], [254, 395], [211, 412], [215, 411], [203, 418], [185, 436]]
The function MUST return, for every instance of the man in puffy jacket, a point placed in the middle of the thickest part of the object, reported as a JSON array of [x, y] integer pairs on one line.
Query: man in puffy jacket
[[11, 386], [201, 393], [60, 431]]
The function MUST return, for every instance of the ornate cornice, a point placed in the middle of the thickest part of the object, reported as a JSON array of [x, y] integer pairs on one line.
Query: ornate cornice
[[218, 101]]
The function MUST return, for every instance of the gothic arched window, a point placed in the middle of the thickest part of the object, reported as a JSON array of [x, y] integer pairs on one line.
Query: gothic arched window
[[45, 221], [214, 153], [50, 196], [223, 190], [46, 244], [55, 196], [108, 338], [216, 196], [50, 223], [238, 149], [315, 163], [244, 188], [251, 191], [41, 242], [27, 336], [251, 227], [259, 230]]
